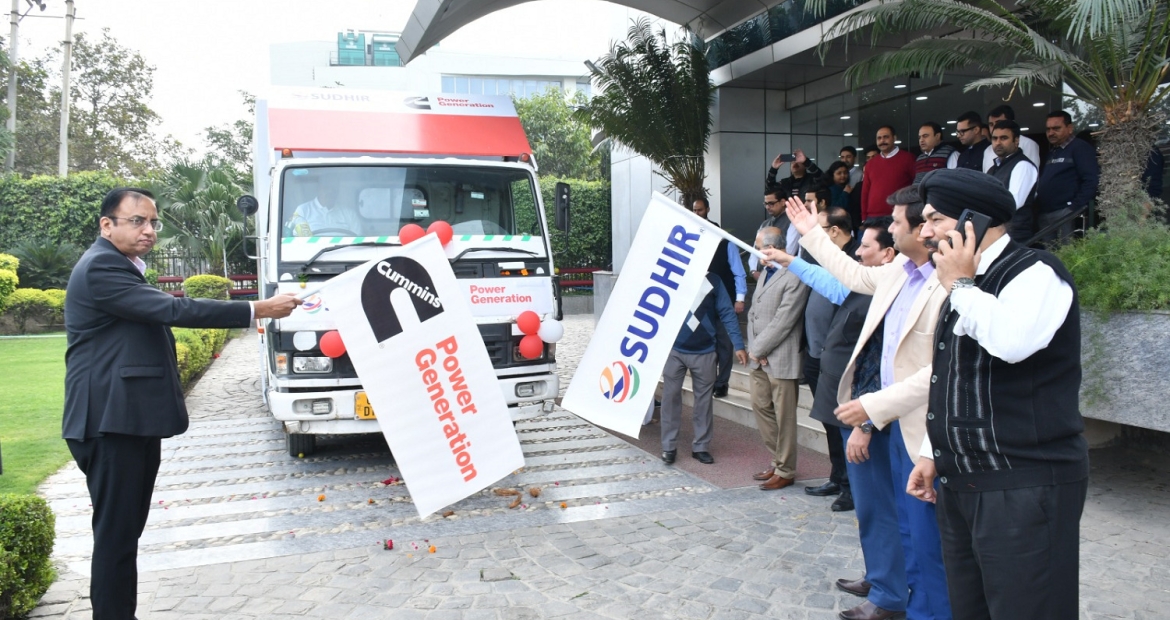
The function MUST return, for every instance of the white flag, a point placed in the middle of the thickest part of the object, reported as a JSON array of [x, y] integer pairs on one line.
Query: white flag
[[414, 343], [662, 276]]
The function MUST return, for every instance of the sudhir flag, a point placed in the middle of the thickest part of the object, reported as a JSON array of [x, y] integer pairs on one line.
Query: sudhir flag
[[415, 345], [662, 278]]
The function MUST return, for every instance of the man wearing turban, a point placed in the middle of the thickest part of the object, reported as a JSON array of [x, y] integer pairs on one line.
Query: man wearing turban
[[1004, 432]]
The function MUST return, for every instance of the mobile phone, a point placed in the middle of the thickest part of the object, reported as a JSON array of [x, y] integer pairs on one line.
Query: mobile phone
[[789, 157], [979, 221]]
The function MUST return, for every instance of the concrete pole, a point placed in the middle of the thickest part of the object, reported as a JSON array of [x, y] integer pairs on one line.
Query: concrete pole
[[67, 48], [10, 161]]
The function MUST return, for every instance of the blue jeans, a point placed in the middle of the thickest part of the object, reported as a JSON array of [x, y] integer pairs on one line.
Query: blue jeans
[[877, 523], [921, 540]]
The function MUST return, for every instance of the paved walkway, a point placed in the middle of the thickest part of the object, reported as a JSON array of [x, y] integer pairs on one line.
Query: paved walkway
[[238, 531]]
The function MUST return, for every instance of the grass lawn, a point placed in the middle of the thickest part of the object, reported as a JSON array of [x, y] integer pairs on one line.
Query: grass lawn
[[32, 396]]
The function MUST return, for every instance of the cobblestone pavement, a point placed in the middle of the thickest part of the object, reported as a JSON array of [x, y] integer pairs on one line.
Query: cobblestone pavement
[[238, 532]]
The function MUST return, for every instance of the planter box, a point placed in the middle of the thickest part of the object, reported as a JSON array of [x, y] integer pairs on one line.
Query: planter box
[[1125, 359]]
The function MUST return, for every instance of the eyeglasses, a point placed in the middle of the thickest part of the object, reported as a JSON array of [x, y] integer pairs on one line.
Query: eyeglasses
[[138, 222], [961, 131], [768, 203]]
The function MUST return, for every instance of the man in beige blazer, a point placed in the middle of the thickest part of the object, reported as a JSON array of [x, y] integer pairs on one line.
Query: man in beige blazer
[[776, 361], [907, 299]]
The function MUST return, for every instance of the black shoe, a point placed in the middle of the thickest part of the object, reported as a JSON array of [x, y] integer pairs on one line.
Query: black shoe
[[844, 503], [703, 457], [668, 456], [825, 490], [720, 391]]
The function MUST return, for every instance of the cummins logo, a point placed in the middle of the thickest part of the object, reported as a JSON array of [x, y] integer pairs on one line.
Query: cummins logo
[[383, 281], [418, 103]]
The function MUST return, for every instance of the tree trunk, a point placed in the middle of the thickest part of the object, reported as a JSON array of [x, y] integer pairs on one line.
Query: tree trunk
[[1124, 149]]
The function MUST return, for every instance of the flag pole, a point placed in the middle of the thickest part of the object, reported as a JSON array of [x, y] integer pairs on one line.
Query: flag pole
[[708, 225]]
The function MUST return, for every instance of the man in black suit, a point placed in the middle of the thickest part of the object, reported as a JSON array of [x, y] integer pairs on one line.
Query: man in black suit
[[122, 389]]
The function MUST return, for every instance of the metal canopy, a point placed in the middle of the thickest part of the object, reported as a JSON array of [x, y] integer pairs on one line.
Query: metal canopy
[[434, 20]]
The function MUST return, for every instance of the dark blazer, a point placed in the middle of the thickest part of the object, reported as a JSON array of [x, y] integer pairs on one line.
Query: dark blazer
[[120, 370], [848, 321]]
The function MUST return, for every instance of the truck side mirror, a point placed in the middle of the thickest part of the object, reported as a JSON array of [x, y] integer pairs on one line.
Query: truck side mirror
[[247, 205], [562, 206]]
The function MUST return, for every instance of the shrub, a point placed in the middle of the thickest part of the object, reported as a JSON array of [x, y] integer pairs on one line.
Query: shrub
[[8, 283], [45, 264], [56, 299], [151, 276], [591, 238], [1121, 269], [207, 287], [9, 262], [194, 350], [26, 541], [27, 303], [60, 209]]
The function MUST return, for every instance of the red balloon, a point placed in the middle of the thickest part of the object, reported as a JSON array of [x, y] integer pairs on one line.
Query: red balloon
[[410, 232], [443, 230], [332, 345], [531, 346], [528, 322]]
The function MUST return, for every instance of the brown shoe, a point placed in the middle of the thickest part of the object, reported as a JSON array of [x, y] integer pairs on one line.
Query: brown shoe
[[764, 475], [776, 482], [856, 587], [868, 611]]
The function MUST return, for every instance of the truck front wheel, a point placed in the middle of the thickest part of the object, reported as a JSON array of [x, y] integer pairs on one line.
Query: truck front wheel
[[301, 445]]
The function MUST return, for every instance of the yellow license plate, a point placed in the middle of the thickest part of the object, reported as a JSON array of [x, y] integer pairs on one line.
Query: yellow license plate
[[361, 407]]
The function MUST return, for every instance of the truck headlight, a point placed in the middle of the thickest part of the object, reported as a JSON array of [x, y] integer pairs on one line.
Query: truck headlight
[[309, 365]]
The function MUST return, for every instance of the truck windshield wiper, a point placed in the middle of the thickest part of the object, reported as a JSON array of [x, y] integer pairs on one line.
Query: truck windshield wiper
[[509, 250], [338, 247]]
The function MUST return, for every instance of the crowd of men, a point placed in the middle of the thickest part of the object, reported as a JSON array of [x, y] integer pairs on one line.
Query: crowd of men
[[944, 361]]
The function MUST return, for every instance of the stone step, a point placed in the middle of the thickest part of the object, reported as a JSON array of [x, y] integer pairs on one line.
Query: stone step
[[737, 407]]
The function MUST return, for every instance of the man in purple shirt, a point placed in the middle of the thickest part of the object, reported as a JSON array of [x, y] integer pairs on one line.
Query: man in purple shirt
[[901, 321]]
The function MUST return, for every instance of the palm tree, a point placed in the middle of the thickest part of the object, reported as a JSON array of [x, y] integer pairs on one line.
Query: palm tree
[[655, 98], [1112, 54], [197, 205]]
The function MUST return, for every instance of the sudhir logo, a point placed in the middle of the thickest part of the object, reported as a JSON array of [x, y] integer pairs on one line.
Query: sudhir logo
[[619, 381], [312, 304]]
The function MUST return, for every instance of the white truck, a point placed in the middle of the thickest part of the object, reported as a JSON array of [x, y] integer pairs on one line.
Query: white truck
[[337, 174]]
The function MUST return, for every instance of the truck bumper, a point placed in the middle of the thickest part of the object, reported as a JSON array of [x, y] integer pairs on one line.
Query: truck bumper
[[337, 411]]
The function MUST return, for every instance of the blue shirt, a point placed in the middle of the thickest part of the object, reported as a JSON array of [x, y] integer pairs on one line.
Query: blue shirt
[[819, 279], [702, 338], [737, 271], [896, 316]]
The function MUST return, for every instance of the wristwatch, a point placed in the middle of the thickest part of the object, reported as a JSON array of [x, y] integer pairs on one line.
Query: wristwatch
[[866, 427], [962, 283]]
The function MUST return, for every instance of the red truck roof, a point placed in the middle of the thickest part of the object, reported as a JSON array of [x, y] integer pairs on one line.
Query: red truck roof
[[370, 121]]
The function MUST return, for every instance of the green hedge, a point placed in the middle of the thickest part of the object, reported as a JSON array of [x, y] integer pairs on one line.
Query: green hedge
[[1121, 269], [8, 284], [25, 304], [590, 241], [26, 542], [194, 350], [57, 209], [208, 287], [9, 262]]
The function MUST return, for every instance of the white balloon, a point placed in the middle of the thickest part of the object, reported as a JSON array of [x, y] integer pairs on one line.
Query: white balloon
[[551, 330]]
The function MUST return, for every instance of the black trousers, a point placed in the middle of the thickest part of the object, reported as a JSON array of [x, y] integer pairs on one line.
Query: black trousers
[[1014, 554], [119, 471], [725, 355], [838, 473]]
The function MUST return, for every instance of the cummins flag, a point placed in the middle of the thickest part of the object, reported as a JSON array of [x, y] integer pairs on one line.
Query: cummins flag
[[415, 345], [660, 281]]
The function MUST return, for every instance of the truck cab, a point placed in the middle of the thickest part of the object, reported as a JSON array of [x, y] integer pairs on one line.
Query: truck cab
[[338, 174]]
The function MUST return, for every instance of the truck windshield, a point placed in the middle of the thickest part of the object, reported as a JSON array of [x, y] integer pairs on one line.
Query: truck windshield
[[377, 201]]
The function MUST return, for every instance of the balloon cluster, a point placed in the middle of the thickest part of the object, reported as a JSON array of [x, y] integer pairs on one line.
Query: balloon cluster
[[536, 333], [414, 232]]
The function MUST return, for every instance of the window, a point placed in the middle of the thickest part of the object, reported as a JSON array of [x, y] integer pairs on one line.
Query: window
[[448, 84], [477, 86], [461, 86], [585, 88]]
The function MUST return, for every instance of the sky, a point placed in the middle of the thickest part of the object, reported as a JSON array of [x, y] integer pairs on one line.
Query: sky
[[204, 51]]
